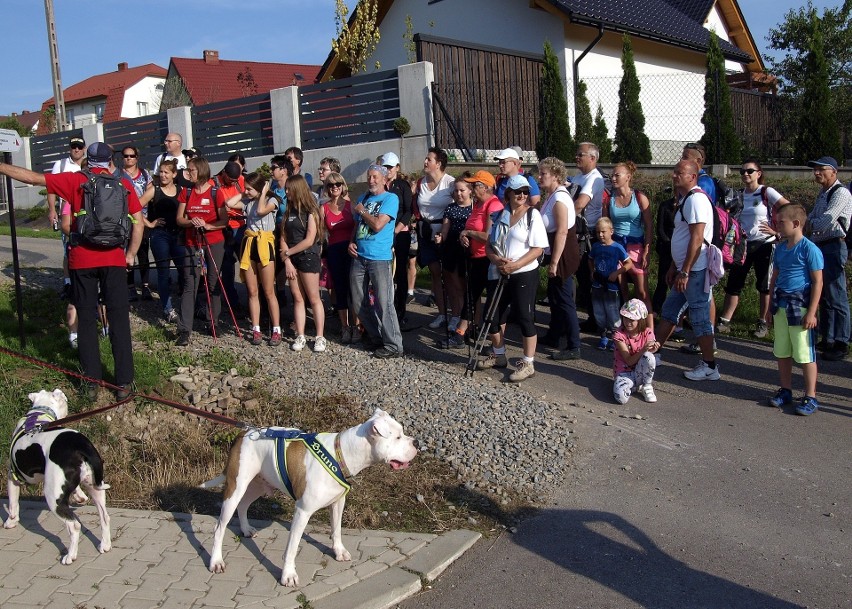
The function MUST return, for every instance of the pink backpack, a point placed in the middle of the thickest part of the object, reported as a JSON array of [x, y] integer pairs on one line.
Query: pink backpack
[[728, 235]]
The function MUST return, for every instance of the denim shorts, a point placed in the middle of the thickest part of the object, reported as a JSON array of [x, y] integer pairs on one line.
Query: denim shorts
[[696, 299]]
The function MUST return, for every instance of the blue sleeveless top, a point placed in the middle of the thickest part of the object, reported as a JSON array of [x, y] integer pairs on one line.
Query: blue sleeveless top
[[627, 221]]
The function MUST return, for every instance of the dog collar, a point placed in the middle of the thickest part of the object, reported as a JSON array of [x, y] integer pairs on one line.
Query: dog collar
[[339, 454]]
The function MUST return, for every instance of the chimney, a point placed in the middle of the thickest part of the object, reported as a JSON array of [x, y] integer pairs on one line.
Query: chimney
[[211, 58], [122, 66]]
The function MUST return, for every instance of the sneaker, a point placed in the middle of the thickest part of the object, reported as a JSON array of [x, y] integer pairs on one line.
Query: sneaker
[[678, 336], [807, 406], [437, 322], [647, 393], [385, 353], [357, 335], [275, 339], [781, 398], [695, 349], [524, 371], [761, 329], [455, 341], [345, 335], [146, 293], [603, 343], [610, 345], [299, 343], [492, 361], [319, 344], [123, 392], [702, 372], [454, 324], [182, 339], [256, 337], [171, 316], [566, 354], [724, 327], [132, 295], [409, 299]]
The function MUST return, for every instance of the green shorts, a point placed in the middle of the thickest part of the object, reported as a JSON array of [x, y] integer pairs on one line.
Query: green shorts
[[793, 341]]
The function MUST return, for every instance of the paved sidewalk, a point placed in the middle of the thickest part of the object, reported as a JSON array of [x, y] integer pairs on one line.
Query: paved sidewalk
[[159, 560]]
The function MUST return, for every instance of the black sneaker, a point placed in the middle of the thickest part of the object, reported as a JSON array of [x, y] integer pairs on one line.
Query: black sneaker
[[146, 293], [132, 295], [182, 339], [123, 392], [385, 353], [409, 299]]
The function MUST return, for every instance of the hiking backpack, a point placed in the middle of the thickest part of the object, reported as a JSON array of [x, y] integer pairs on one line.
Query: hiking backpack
[[726, 197], [728, 235], [103, 220]]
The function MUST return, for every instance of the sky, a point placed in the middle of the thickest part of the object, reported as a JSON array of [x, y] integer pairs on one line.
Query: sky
[[94, 36]]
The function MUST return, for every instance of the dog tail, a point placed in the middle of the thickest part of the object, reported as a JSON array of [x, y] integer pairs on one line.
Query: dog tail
[[216, 482]]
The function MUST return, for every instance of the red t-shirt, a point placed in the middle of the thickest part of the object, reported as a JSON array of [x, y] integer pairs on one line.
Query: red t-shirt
[[201, 206], [339, 227], [477, 221], [85, 256], [236, 217]]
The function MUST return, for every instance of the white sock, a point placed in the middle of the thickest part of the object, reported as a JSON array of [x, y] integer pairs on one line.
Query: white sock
[[529, 360], [275, 329], [498, 350], [255, 328], [72, 336], [67, 281], [411, 292]]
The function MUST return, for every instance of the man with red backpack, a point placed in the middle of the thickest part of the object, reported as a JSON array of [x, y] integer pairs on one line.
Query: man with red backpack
[[693, 232]]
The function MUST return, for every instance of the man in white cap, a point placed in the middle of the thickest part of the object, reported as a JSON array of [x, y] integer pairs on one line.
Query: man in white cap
[[510, 165], [95, 269]]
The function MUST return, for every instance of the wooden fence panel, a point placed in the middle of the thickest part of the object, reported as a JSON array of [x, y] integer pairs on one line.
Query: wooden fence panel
[[241, 125], [45, 150], [145, 132]]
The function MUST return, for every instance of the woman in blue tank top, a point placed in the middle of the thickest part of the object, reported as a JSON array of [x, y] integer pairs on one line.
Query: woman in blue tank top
[[630, 213]]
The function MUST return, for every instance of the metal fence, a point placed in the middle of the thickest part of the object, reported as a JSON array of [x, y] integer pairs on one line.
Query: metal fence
[[146, 133], [241, 125], [349, 111], [45, 150]]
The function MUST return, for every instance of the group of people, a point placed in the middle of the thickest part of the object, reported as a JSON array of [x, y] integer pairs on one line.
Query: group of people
[[478, 233]]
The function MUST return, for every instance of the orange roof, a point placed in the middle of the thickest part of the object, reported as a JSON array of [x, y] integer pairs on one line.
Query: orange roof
[[212, 80], [110, 86]]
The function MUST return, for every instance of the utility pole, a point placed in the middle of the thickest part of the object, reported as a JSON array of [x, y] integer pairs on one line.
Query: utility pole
[[58, 97]]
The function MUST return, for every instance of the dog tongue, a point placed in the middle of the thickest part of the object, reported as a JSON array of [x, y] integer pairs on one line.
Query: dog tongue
[[398, 464]]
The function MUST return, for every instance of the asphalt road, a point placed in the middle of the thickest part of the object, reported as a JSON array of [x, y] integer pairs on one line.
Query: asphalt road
[[35, 252], [710, 500]]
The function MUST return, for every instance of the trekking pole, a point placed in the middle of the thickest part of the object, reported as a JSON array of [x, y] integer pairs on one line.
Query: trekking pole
[[469, 306], [486, 324], [203, 266], [444, 291], [221, 287]]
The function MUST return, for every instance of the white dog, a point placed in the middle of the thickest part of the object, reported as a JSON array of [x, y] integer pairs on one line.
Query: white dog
[[65, 460], [312, 469]]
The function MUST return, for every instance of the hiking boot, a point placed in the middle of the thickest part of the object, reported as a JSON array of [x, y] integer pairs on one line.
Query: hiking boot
[[299, 343], [182, 339], [566, 354], [437, 322], [256, 337], [524, 371], [455, 341], [781, 398], [647, 393], [319, 344], [275, 339], [385, 353], [92, 390], [146, 293], [132, 295], [761, 329], [492, 361], [807, 406], [724, 326], [123, 392], [702, 372]]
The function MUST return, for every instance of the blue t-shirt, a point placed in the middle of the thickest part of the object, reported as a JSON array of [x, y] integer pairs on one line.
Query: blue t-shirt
[[706, 183], [377, 246], [795, 265], [606, 259], [500, 189], [279, 191]]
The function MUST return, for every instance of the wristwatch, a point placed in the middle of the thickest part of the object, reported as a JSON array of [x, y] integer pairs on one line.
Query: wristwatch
[[683, 274]]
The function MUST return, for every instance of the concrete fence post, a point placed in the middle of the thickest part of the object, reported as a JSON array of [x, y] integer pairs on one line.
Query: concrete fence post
[[286, 126], [93, 133], [180, 121]]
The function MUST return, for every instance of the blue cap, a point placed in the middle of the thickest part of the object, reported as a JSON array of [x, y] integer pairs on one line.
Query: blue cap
[[824, 161], [99, 153], [517, 182]]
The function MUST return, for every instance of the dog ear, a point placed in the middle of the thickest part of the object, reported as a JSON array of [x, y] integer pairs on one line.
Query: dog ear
[[381, 428], [378, 412], [34, 397]]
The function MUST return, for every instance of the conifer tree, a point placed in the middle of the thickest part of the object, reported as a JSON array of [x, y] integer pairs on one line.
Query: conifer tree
[[600, 136], [720, 140], [584, 125], [554, 132], [817, 134], [631, 143]]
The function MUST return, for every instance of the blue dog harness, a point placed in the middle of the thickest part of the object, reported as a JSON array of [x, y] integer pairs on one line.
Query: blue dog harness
[[284, 436], [29, 424]]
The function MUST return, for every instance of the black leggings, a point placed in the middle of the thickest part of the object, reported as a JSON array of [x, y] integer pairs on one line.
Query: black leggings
[[519, 291]]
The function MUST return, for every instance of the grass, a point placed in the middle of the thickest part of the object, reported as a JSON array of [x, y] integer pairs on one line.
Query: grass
[[156, 456], [22, 231]]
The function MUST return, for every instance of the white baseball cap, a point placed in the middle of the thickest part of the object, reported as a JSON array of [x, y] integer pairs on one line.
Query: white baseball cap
[[389, 159], [508, 153]]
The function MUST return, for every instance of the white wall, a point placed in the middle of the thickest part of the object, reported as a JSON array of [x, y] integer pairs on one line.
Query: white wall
[[143, 91], [716, 24]]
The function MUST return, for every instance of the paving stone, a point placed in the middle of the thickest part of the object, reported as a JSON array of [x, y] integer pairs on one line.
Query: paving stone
[[170, 563], [391, 556], [132, 602], [237, 570], [85, 583], [194, 578], [369, 568], [153, 551], [342, 580], [153, 586], [319, 589], [39, 590], [109, 594], [389, 587], [244, 601], [131, 571], [180, 599], [18, 576], [440, 553], [375, 542], [410, 546]]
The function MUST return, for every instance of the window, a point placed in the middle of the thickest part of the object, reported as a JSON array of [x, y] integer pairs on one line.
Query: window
[[141, 108], [69, 116], [99, 112]]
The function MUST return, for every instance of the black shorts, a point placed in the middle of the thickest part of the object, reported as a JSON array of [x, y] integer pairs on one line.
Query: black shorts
[[254, 256], [306, 262]]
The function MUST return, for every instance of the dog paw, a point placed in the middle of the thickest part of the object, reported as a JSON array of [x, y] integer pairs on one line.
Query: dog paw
[[217, 566], [67, 559], [249, 532], [291, 580], [11, 522], [342, 555], [105, 547]]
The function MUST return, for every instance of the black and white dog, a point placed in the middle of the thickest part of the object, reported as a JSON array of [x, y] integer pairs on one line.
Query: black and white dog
[[65, 460]]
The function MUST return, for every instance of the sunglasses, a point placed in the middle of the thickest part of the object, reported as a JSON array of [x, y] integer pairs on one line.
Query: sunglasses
[[274, 167], [78, 146], [522, 192], [129, 156], [335, 184], [748, 171]]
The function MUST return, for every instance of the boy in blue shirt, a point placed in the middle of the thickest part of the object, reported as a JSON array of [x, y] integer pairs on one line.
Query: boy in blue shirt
[[608, 260], [796, 288]]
